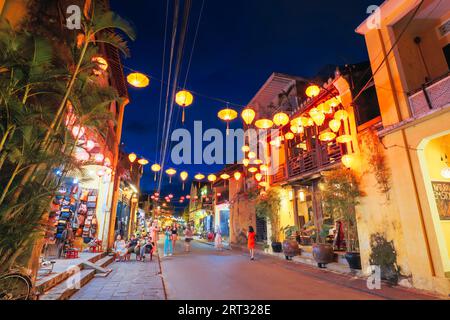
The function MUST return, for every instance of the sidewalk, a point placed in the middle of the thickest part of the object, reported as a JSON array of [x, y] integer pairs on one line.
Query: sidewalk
[[131, 280]]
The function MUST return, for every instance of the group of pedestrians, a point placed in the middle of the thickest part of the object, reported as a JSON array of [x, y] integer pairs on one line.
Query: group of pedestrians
[[140, 246], [171, 234]]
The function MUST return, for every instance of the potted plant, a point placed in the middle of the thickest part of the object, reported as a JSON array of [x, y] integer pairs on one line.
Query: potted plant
[[267, 207], [340, 197], [384, 255], [322, 251], [290, 244]]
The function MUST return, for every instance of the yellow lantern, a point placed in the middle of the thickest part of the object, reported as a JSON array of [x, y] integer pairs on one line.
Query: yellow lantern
[[251, 155], [347, 160], [317, 116], [253, 169], [264, 168], [170, 172], [334, 102], [264, 124], [212, 178], [143, 162], [184, 175], [184, 99], [345, 138], [325, 108], [199, 177], [246, 162], [335, 125], [263, 184], [281, 119], [257, 161], [132, 157], [101, 62], [155, 168], [245, 149], [341, 115], [312, 91], [227, 115], [237, 175], [309, 122], [258, 177], [289, 136], [248, 115], [138, 80], [327, 136], [225, 176]]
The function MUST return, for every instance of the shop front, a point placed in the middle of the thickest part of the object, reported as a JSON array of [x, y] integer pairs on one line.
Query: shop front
[[222, 220]]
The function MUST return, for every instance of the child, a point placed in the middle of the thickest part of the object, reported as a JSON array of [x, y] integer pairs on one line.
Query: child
[[251, 242], [168, 249]]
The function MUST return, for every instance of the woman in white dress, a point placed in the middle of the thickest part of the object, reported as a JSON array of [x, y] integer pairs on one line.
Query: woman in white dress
[[120, 248], [218, 239]]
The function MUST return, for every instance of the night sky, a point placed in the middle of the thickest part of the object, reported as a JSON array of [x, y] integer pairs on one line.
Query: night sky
[[240, 44]]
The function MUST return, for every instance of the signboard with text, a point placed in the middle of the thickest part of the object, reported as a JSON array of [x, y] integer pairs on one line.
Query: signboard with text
[[441, 192]]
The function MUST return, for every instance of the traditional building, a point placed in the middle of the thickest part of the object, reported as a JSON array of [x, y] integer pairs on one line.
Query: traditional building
[[408, 45]]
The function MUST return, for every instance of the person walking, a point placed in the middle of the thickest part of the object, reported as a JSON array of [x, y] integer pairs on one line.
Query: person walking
[[188, 236], [174, 236], [168, 249], [251, 235], [154, 232], [218, 239]]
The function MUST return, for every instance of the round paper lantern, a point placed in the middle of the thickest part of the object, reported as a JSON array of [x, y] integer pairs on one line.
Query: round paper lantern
[[334, 102], [156, 167], [345, 138], [246, 162], [227, 115], [171, 172], [225, 176], [184, 175], [341, 115], [143, 162], [253, 169], [184, 98], [317, 116], [212, 178], [347, 160], [248, 115], [138, 80], [245, 149], [325, 108], [199, 177], [237, 175], [264, 124], [101, 62], [257, 161], [335, 125], [264, 168], [289, 136], [312, 91], [281, 119], [263, 184], [132, 157], [78, 132], [327, 136], [251, 155], [99, 157], [258, 177]]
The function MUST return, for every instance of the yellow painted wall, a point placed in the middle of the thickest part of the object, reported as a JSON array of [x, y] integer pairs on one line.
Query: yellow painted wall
[[13, 10]]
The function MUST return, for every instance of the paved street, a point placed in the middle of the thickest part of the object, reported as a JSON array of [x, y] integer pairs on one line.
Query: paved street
[[132, 280], [207, 274]]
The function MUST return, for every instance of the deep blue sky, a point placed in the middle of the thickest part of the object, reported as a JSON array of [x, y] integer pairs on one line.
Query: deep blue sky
[[240, 43]]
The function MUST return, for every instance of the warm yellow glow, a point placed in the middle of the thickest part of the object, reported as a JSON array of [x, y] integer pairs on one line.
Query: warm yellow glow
[[345, 138], [225, 176], [212, 178], [264, 124], [301, 196], [275, 143], [138, 80], [252, 169], [257, 161], [341, 115], [263, 184], [132, 157], [245, 149], [251, 155], [264, 168], [199, 176], [281, 119], [309, 123], [289, 136], [312, 91], [143, 162], [325, 108], [248, 115], [184, 175], [327, 136], [347, 160], [184, 98], [102, 63], [156, 168], [258, 177], [317, 116], [171, 171], [237, 175], [334, 102], [227, 114], [335, 125], [246, 162]]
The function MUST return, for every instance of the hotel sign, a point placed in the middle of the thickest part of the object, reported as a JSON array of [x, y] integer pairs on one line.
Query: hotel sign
[[441, 192]]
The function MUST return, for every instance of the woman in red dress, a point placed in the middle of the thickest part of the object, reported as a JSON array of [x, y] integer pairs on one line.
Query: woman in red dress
[[251, 235]]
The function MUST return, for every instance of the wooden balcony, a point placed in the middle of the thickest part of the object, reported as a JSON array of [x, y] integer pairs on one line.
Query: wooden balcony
[[314, 160], [280, 176]]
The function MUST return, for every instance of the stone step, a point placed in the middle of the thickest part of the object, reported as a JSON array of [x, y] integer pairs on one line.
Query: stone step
[[51, 281], [66, 289]]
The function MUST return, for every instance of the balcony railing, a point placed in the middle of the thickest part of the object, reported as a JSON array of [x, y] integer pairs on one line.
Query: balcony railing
[[280, 176], [314, 160], [433, 95]]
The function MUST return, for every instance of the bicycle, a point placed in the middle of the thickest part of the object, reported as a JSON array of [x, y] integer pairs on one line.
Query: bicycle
[[15, 285]]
